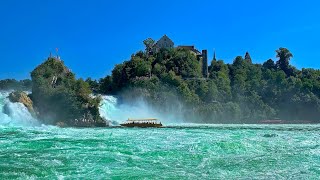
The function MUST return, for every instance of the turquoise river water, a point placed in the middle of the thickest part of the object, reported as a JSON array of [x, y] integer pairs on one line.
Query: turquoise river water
[[183, 152], [29, 150]]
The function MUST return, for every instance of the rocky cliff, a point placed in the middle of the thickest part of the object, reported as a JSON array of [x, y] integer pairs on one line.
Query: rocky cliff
[[61, 99]]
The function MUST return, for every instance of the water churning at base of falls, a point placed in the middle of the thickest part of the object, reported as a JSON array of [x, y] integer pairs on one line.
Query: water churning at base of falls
[[30, 150], [182, 152], [14, 114]]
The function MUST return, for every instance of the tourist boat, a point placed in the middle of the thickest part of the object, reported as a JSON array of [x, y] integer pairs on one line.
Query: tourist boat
[[143, 123]]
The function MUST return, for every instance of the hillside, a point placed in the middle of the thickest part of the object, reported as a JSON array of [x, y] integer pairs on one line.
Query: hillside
[[241, 92]]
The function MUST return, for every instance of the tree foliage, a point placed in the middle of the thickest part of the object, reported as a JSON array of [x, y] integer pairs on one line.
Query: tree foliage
[[12, 84], [60, 98], [284, 56], [241, 92], [149, 42]]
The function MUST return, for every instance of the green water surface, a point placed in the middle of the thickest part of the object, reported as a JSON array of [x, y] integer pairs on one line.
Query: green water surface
[[187, 152]]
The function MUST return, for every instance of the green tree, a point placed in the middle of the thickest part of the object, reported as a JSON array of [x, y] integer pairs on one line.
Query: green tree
[[241, 92], [60, 98], [149, 42], [284, 56]]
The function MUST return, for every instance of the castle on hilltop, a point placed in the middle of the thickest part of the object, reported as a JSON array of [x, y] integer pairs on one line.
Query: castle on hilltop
[[166, 43]]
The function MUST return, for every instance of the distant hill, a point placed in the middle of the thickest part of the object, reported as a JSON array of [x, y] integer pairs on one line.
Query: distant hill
[[12, 84]]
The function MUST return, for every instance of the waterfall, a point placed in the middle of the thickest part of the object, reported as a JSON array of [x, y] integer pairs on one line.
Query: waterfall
[[108, 109], [111, 109], [14, 114]]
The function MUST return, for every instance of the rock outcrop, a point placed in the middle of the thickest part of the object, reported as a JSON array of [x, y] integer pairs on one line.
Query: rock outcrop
[[22, 97], [61, 99]]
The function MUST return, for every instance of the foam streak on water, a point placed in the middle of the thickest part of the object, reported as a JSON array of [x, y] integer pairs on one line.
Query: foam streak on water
[[193, 152]]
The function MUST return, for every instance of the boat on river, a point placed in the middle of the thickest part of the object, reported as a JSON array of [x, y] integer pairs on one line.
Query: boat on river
[[142, 123]]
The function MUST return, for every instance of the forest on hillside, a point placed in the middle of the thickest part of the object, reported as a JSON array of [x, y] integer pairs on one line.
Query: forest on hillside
[[12, 84], [170, 81], [241, 92]]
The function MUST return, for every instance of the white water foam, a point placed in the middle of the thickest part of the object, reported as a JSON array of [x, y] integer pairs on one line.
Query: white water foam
[[14, 114], [111, 109]]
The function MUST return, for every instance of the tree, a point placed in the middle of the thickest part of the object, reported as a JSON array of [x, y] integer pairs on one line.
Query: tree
[[241, 92], [247, 57], [284, 56], [269, 64], [148, 44], [12, 84], [105, 85], [60, 98], [94, 85]]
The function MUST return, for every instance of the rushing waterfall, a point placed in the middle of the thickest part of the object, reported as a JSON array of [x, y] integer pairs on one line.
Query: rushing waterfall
[[14, 114], [111, 109], [108, 108]]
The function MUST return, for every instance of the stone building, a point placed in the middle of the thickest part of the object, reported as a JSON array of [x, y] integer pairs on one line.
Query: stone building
[[202, 57], [192, 49], [164, 42]]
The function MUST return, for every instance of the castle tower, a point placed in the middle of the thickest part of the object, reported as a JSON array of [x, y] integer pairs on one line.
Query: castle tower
[[205, 63]]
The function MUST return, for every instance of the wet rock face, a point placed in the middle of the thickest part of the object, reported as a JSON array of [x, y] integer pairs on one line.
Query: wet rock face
[[22, 97]]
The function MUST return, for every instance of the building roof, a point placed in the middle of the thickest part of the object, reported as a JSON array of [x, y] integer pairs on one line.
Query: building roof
[[164, 37], [190, 48]]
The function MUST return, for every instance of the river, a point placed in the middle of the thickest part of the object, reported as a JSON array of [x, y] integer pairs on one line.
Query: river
[[29, 150]]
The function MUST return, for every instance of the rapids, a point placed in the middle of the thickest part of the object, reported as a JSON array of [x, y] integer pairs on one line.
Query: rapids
[[29, 150], [193, 152]]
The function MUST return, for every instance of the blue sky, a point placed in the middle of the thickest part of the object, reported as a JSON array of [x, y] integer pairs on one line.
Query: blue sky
[[93, 36]]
